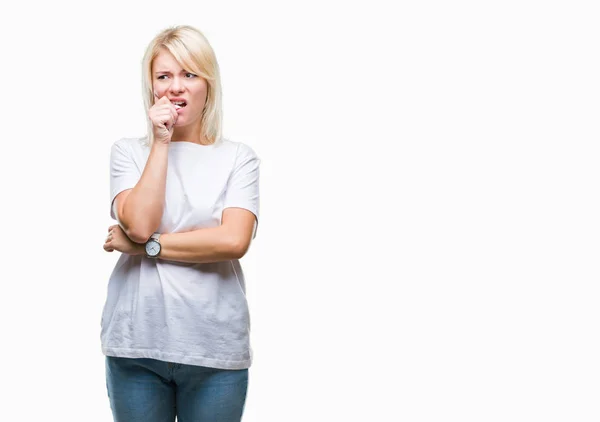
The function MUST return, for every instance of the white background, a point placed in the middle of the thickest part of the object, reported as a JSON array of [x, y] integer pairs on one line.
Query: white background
[[428, 245]]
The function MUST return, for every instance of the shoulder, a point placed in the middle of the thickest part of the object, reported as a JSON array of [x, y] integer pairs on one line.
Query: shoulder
[[240, 150], [129, 149], [130, 143]]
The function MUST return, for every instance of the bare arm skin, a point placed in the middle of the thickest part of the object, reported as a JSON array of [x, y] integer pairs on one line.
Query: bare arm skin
[[230, 240], [139, 210]]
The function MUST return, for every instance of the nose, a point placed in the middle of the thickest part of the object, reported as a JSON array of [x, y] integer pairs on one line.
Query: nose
[[176, 86]]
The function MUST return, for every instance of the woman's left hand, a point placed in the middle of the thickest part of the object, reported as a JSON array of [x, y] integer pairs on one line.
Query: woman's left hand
[[118, 240]]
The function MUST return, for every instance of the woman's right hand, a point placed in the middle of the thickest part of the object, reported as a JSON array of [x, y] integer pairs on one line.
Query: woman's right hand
[[163, 115]]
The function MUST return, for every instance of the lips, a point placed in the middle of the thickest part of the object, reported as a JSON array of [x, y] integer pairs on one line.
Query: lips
[[178, 102]]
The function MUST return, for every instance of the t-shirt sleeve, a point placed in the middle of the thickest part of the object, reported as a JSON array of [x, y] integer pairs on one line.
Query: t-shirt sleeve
[[243, 185], [124, 174]]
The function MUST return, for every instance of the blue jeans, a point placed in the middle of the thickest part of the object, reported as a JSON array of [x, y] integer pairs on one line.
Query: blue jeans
[[151, 390]]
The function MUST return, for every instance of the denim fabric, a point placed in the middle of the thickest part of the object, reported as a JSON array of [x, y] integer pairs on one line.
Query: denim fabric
[[149, 390]]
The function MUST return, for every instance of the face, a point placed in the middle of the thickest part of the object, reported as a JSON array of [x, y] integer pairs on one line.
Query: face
[[180, 86]]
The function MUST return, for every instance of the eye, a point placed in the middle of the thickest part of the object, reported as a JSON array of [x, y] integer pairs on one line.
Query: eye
[[161, 77], [190, 75]]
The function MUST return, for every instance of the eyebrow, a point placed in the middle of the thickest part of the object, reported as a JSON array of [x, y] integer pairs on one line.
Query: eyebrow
[[168, 71]]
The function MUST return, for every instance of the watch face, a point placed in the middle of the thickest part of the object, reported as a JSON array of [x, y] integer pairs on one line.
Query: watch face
[[152, 248]]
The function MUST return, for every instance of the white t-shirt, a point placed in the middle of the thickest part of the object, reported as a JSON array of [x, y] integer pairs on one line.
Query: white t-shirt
[[195, 314]]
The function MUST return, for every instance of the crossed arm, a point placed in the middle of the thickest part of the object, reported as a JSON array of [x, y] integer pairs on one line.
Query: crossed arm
[[140, 209]]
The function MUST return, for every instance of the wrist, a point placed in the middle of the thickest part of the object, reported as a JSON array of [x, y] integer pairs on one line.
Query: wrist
[[139, 249], [152, 247], [162, 144]]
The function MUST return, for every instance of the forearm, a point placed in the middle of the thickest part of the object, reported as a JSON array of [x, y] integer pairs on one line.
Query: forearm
[[144, 206], [200, 246]]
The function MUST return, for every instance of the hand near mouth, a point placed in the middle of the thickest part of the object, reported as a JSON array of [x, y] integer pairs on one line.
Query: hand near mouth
[[163, 115]]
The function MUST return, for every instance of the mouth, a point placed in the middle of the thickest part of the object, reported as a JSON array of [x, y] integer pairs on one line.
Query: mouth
[[179, 104]]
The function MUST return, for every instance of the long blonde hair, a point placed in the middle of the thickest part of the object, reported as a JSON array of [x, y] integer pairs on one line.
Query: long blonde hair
[[194, 53]]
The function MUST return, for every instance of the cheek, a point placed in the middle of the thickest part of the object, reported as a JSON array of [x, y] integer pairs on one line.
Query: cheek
[[159, 90], [203, 96], [201, 91], [199, 97]]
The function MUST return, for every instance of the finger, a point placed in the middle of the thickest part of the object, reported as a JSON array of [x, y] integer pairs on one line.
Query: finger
[[164, 109], [163, 100], [168, 109], [167, 104], [164, 118], [164, 105], [169, 121]]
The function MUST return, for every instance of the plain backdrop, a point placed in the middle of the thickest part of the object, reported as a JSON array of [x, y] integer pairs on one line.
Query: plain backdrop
[[428, 244]]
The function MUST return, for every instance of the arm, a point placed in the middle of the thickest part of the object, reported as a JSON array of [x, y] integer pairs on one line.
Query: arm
[[139, 205], [139, 210], [230, 240]]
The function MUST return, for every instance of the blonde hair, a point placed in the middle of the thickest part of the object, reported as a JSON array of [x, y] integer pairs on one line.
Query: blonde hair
[[194, 53]]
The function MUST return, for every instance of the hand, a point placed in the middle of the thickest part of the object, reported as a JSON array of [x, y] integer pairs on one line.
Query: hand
[[163, 115], [118, 240]]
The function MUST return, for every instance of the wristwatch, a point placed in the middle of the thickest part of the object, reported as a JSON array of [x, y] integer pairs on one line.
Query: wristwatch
[[153, 246]]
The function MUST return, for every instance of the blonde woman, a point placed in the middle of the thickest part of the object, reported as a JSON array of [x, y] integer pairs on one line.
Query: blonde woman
[[175, 325]]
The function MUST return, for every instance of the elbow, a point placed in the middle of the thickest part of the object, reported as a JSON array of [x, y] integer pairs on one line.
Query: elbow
[[138, 235], [135, 232], [137, 227], [238, 249]]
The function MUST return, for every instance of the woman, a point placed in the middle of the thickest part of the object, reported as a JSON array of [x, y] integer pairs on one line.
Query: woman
[[175, 326]]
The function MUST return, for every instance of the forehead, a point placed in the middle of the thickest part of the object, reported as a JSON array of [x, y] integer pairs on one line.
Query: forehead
[[165, 61]]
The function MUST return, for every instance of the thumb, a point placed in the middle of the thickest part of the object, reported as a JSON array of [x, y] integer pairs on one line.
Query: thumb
[[161, 100]]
